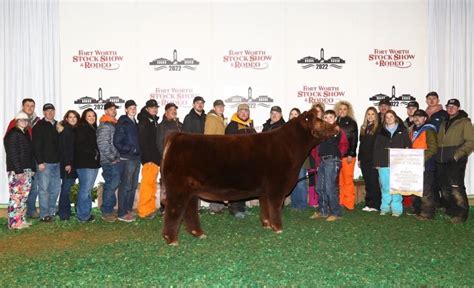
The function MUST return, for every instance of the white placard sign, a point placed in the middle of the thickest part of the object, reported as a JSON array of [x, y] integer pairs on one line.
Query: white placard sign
[[406, 171]]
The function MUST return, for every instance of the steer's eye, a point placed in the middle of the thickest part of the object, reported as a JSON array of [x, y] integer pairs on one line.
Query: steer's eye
[[306, 119]]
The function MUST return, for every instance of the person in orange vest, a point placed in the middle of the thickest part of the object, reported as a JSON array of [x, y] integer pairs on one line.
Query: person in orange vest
[[424, 136]]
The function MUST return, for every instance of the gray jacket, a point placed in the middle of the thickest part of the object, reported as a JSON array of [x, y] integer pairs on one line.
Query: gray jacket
[[105, 142]]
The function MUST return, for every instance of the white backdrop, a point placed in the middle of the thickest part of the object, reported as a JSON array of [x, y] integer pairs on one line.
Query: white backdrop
[[223, 49]]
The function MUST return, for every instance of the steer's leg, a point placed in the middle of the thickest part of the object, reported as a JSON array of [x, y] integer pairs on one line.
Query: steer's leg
[[191, 218], [264, 213], [275, 205], [174, 211]]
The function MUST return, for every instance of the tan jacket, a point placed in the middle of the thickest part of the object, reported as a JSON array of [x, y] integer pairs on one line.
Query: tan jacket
[[214, 125]]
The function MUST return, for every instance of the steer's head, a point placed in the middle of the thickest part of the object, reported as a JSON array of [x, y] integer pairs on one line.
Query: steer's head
[[319, 129]]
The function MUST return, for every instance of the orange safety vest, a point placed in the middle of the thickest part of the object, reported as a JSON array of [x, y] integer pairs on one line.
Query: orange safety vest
[[420, 141]]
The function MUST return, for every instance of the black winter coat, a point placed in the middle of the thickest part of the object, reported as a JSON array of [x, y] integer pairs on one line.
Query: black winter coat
[[194, 123], [147, 127], [45, 142], [19, 150], [385, 140], [437, 118], [66, 151], [86, 152], [352, 132], [268, 126], [165, 128], [366, 147]]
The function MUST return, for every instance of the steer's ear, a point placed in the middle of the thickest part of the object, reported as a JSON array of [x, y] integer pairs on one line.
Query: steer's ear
[[305, 119]]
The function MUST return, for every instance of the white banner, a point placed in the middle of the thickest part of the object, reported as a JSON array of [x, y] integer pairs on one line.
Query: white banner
[[406, 171]]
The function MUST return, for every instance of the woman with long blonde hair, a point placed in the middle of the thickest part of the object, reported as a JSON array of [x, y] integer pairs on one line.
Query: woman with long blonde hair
[[346, 120], [368, 132]]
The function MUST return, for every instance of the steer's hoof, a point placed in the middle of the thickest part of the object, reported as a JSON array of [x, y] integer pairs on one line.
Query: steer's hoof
[[266, 224], [175, 243], [197, 233], [203, 236], [278, 231]]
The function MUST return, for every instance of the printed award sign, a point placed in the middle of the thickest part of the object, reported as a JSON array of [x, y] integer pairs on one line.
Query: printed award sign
[[406, 171]]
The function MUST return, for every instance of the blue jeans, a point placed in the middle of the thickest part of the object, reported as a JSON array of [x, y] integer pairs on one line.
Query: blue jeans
[[64, 209], [299, 197], [87, 178], [111, 174], [128, 186], [49, 186], [391, 202], [327, 186], [32, 196]]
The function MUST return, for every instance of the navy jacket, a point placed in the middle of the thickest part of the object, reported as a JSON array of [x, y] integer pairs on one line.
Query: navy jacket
[[437, 118], [126, 138]]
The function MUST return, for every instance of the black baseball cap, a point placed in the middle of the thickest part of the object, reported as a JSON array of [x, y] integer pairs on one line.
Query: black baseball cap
[[432, 93], [413, 104], [276, 109], [130, 103], [421, 113], [385, 101], [198, 98], [151, 103], [48, 106], [110, 105], [169, 105], [453, 101], [218, 103]]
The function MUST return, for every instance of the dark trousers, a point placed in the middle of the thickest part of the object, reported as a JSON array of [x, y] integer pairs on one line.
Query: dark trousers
[[425, 206], [235, 207], [372, 186], [451, 182], [64, 206], [128, 186]]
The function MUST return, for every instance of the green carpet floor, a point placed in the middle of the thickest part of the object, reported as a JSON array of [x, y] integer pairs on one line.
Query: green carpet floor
[[363, 249]]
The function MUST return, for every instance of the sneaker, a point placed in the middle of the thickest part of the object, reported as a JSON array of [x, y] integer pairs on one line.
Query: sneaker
[[395, 215], [367, 209], [110, 218], [21, 226], [239, 215], [373, 210], [127, 218], [34, 215], [89, 220], [150, 216], [333, 218], [383, 213], [47, 219], [317, 215], [411, 212]]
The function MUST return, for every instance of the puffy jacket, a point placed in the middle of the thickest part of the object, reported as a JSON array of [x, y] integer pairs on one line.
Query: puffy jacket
[[215, 124], [385, 140], [105, 140], [166, 127], [86, 152], [366, 147], [194, 123], [126, 138], [352, 132], [19, 150], [239, 126], [455, 138], [268, 126], [436, 118], [46, 142], [66, 150], [147, 127]]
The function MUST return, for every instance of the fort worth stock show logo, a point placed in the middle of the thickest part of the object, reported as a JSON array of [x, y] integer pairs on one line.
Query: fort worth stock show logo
[[175, 64], [248, 59], [395, 101], [98, 59], [321, 63], [260, 100], [97, 103], [398, 58]]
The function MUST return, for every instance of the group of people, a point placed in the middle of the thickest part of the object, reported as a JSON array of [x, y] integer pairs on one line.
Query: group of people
[[46, 157]]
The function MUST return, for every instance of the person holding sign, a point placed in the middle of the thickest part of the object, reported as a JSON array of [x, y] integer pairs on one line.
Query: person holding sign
[[393, 134], [423, 136], [455, 144]]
